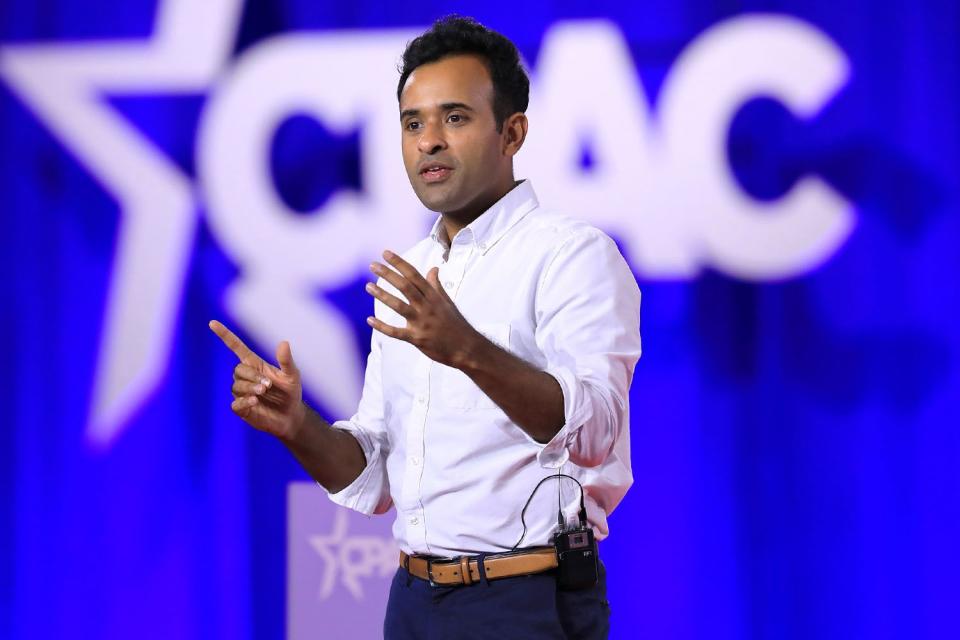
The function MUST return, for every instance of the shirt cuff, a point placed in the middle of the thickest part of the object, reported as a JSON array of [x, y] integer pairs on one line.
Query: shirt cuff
[[364, 493], [577, 410]]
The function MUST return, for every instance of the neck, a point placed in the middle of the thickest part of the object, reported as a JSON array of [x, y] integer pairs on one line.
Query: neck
[[454, 221]]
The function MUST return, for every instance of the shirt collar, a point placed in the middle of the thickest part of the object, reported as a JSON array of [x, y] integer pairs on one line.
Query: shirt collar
[[492, 224]]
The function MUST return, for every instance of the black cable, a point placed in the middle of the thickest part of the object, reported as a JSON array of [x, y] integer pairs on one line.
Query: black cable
[[560, 521], [582, 514]]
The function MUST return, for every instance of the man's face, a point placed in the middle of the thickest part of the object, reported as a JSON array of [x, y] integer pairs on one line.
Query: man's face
[[452, 151]]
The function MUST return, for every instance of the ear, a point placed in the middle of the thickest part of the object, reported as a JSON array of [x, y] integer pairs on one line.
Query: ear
[[514, 133]]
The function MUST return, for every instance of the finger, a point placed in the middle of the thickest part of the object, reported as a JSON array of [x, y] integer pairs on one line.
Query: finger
[[234, 343], [244, 388], [251, 374], [285, 359], [433, 279], [250, 409], [410, 291], [390, 300], [389, 330], [406, 269], [242, 405], [255, 412]]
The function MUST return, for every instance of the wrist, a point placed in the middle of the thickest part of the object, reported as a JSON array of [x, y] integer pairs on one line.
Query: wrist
[[298, 423], [474, 351]]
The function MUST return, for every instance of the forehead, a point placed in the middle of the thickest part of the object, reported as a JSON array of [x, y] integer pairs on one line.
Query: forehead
[[458, 78]]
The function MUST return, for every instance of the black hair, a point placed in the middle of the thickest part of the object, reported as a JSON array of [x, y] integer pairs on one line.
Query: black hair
[[452, 35]]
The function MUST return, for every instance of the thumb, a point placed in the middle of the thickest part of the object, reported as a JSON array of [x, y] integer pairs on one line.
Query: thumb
[[285, 359], [433, 277]]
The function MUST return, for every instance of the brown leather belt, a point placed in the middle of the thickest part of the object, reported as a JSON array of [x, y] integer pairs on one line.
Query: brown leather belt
[[465, 570]]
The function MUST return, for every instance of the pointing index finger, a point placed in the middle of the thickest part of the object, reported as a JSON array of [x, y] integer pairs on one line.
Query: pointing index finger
[[234, 343]]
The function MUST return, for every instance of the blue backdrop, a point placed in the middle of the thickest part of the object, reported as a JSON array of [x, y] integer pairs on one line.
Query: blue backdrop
[[795, 441]]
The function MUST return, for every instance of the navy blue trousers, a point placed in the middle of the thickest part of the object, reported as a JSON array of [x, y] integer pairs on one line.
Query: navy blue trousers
[[525, 608]]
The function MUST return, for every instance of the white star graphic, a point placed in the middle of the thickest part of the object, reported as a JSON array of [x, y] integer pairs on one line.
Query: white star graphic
[[352, 556], [64, 85]]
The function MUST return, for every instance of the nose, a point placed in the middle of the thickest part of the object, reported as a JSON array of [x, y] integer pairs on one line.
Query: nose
[[431, 139]]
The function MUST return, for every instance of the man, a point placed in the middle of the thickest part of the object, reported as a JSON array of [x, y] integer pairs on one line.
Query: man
[[502, 353]]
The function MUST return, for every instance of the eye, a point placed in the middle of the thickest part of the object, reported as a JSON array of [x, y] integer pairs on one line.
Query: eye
[[412, 125], [456, 118]]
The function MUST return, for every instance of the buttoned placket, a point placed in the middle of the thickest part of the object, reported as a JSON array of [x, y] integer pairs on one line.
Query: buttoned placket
[[412, 500], [450, 275], [413, 467], [451, 271]]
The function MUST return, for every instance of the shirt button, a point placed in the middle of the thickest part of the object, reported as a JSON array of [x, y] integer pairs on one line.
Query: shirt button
[[448, 285], [421, 400], [414, 520], [415, 461], [483, 246]]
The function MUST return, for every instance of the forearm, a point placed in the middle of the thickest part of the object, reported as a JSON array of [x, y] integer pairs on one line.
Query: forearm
[[332, 457], [531, 398]]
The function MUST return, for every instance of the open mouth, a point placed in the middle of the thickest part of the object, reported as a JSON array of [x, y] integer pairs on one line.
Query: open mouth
[[435, 173]]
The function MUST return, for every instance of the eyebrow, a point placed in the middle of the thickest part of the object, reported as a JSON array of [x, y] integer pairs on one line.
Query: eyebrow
[[446, 106]]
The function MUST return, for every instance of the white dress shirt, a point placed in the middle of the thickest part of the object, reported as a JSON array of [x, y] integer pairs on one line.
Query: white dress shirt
[[553, 291]]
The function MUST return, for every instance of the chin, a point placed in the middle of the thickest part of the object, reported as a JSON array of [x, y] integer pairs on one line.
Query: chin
[[438, 202]]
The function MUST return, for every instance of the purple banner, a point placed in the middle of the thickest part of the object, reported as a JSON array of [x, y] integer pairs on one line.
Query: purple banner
[[339, 567]]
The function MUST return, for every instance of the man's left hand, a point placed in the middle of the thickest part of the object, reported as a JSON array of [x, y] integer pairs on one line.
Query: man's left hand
[[434, 325]]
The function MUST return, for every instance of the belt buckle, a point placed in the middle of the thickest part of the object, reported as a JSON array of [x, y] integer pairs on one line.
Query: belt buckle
[[430, 573]]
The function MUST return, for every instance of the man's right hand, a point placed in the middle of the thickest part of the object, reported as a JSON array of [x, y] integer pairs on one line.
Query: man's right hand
[[268, 398]]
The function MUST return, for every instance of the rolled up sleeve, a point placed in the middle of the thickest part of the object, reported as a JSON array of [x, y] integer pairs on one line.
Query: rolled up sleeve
[[588, 328], [369, 493]]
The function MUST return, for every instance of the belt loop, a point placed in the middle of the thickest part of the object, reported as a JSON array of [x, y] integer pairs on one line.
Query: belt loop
[[465, 570], [482, 568]]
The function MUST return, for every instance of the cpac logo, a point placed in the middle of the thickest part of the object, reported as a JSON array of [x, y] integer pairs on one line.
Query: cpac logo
[[661, 181], [352, 557]]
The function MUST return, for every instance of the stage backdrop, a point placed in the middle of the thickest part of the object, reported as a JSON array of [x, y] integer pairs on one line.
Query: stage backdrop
[[781, 176]]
